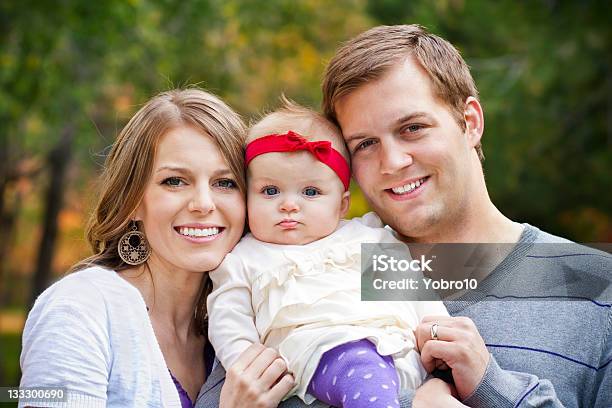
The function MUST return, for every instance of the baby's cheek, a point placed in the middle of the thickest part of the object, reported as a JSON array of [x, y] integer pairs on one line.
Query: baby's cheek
[[259, 225]]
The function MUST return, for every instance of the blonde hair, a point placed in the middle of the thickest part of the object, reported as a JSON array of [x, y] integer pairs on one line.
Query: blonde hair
[[129, 166], [312, 125], [372, 53]]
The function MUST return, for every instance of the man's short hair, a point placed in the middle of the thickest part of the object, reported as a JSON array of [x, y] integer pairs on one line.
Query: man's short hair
[[372, 53]]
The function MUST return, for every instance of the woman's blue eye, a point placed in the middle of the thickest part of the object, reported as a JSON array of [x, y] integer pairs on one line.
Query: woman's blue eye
[[173, 182], [226, 183], [311, 191], [364, 144], [270, 191]]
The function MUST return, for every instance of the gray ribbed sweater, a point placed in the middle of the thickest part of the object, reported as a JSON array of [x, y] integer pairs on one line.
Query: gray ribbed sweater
[[545, 353]]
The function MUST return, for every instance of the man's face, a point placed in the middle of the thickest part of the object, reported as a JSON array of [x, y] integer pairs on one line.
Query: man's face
[[413, 162]]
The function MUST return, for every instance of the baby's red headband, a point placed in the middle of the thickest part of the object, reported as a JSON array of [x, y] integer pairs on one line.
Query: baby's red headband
[[290, 142]]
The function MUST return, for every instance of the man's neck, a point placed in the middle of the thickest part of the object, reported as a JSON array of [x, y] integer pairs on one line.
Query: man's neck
[[478, 224], [486, 225]]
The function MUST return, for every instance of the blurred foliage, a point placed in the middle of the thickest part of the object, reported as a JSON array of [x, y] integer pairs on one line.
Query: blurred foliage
[[542, 68], [11, 345], [91, 65]]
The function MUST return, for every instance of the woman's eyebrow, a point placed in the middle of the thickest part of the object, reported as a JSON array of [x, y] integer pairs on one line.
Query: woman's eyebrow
[[217, 173], [172, 168], [223, 172]]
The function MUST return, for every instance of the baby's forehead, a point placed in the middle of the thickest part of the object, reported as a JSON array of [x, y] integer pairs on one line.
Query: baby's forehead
[[289, 167], [308, 124], [311, 127], [308, 127]]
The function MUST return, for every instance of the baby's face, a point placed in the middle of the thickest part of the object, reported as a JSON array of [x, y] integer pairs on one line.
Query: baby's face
[[293, 198]]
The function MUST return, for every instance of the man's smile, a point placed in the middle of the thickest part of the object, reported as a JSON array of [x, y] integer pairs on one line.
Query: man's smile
[[407, 189]]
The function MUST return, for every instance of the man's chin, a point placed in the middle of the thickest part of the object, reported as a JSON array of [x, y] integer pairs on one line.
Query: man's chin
[[409, 224]]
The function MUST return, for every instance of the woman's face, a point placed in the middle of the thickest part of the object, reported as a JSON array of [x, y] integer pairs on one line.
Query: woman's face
[[192, 211]]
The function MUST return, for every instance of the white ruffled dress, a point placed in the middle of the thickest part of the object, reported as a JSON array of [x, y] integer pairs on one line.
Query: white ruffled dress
[[305, 299]]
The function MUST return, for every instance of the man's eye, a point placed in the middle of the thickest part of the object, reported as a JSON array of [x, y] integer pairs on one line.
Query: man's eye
[[270, 190], [365, 144], [226, 184], [173, 182], [413, 128], [311, 192]]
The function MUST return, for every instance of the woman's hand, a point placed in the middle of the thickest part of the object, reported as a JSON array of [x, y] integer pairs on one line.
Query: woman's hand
[[435, 393], [258, 379]]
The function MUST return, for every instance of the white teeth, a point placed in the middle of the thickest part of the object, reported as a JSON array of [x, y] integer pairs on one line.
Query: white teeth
[[408, 187], [198, 232]]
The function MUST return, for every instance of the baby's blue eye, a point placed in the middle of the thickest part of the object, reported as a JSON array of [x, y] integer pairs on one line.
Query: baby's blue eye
[[271, 190], [311, 192]]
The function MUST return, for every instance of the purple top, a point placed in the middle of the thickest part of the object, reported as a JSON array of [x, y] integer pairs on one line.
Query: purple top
[[209, 356], [185, 400]]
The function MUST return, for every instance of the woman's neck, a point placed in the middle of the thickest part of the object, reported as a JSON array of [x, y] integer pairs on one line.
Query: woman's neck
[[171, 295]]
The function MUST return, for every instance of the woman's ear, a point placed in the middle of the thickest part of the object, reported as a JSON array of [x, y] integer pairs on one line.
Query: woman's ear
[[137, 214], [474, 121], [345, 204]]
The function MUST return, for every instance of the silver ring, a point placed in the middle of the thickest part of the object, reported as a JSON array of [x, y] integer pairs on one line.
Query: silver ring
[[434, 331]]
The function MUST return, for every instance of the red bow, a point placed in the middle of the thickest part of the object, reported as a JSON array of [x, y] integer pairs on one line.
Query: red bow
[[322, 150]]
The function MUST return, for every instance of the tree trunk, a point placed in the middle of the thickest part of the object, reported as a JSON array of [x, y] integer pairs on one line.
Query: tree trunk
[[59, 158]]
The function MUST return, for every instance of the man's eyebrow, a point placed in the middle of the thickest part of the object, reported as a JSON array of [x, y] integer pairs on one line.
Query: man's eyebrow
[[356, 136], [401, 120], [412, 116]]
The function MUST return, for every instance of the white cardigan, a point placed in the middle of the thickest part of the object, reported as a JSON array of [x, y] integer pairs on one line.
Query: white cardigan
[[90, 333], [306, 299]]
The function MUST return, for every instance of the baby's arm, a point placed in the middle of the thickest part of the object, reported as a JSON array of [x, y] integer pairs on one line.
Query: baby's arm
[[231, 327]]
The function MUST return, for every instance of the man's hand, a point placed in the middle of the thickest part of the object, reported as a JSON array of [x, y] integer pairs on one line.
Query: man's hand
[[435, 393], [459, 346]]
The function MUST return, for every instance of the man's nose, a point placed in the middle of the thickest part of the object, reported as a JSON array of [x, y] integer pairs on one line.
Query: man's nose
[[394, 156]]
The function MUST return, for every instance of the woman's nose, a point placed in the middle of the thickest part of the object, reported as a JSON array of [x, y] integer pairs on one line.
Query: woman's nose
[[202, 201]]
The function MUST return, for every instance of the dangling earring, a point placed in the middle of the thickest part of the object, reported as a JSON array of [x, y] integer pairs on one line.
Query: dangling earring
[[133, 247]]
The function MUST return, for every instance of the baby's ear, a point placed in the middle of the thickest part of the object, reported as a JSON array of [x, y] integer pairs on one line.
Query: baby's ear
[[346, 202]]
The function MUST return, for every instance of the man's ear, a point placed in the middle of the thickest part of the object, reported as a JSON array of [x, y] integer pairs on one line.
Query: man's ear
[[474, 121], [345, 204]]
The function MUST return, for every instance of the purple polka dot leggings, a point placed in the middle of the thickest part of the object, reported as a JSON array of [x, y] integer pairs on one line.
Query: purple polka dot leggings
[[354, 375]]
